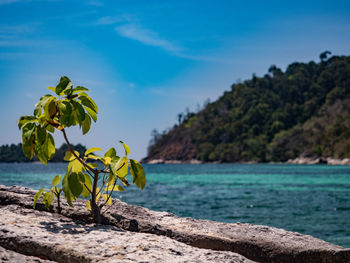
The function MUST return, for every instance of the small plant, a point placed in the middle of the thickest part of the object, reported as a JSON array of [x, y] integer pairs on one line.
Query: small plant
[[49, 193], [89, 176]]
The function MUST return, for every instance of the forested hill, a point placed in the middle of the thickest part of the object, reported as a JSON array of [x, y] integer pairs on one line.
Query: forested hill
[[304, 111], [13, 153]]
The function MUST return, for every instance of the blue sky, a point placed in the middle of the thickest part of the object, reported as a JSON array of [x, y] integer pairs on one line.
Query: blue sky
[[146, 61]]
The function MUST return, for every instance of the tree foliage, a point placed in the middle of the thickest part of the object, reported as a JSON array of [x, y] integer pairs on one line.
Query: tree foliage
[[301, 111], [72, 106]]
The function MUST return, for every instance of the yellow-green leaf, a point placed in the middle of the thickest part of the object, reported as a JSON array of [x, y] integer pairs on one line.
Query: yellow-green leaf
[[111, 153], [122, 170], [37, 196], [50, 146], [105, 197], [88, 205], [114, 188], [92, 114], [106, 160], [75, 165], [52, 88], [47, 199], [93, 149], [56, 180], [94, 157], [126, 148]]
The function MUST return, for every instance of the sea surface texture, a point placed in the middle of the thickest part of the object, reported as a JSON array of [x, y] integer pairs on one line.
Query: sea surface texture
[[310, 199]]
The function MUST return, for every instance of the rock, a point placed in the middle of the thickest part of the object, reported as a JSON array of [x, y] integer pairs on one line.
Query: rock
[[13, 257], [258, 243], [155, 161], [61, 239], [320, 160]]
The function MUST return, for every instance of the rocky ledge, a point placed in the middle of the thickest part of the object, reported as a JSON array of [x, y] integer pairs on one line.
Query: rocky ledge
[[135, 234]]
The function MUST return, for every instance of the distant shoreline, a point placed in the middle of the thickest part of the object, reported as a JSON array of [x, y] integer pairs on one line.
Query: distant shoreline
[[299, 160]]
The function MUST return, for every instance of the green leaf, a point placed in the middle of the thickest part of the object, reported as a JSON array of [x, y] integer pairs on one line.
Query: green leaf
[[50, 128], [37, 196], [115, 163], [66, 190], [50, 146], [38, 109], [56, 180], [111, 153], [28, 148], [88, 102], [126, 148], [24, 120], [47, 199], [88, 183], [75, 184], [137, 174], [92, 114], [93, 149], [65, 107], [28, 131], [40, 134], [79, 88], [69, 155], [86, 124], [41, 147], [64, 84], [79, 111]]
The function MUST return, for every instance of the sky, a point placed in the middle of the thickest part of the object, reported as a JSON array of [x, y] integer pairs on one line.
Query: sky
[[146, 61]]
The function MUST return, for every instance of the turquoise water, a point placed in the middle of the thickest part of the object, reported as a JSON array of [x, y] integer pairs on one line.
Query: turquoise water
[[310, 199]]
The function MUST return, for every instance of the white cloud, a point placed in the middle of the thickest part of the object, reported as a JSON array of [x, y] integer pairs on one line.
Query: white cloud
[[146, 37]]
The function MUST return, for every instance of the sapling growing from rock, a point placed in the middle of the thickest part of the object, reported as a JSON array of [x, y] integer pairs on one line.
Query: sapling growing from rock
[[49, 193], [88, 175]]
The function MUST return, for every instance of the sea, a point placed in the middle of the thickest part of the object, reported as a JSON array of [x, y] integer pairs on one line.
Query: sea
[[309, 199]]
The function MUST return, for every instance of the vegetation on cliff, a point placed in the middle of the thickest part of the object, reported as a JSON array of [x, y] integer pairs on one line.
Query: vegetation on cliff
[[303, 111]]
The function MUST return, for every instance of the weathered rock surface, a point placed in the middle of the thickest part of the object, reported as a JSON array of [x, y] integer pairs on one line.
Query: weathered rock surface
[[62, 239], [258, 243], [13, 257]]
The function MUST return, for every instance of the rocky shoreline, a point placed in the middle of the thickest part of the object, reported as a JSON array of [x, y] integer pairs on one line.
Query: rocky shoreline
[[135, 234], [299, 160]]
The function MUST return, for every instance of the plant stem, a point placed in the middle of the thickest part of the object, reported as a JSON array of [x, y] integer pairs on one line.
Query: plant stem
[[76, 156]]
